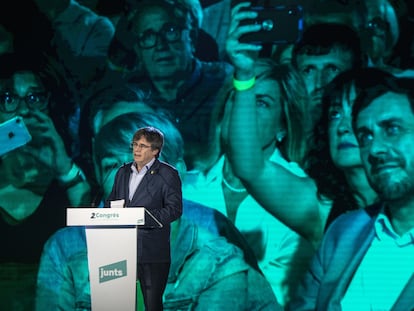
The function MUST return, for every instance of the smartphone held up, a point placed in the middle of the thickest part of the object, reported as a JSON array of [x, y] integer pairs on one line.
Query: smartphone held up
[[13, 134], [280, 24]]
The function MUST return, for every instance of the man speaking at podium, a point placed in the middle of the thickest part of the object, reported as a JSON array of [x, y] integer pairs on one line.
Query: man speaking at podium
[[156, 186]]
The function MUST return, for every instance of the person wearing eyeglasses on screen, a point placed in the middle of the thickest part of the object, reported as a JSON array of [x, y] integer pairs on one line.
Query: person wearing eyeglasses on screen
[[38, 179], [164, 35]]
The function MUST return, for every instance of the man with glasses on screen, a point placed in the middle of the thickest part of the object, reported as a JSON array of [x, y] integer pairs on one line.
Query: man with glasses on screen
[[165, 34]]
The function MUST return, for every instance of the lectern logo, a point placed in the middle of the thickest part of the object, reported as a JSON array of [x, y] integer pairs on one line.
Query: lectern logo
[[113, 271]]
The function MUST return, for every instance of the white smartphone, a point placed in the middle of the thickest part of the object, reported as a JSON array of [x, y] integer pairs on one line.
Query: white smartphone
[[13, 134]]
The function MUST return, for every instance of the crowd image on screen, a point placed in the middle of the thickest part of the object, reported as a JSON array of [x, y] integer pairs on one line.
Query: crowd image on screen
[[275, 245], [41, 177], [294, 156], [359, 244]]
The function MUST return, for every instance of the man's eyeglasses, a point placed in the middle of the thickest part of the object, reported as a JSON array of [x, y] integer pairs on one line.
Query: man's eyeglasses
[[135, 145], [378, 24], [9, 102], [169, 32]]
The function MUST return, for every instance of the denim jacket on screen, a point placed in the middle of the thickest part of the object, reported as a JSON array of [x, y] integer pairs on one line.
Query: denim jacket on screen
[[207, 273]]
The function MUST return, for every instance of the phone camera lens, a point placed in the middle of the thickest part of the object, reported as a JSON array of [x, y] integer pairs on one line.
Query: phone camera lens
[[267, 25]]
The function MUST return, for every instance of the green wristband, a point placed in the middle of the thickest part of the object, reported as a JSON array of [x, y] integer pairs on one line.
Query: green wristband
[[244, 85]]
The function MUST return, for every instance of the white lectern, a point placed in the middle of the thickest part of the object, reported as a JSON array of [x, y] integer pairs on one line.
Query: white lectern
[[111, 238]]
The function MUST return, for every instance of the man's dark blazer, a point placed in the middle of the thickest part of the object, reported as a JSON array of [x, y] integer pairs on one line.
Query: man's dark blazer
[[160, 193], [334, 265]]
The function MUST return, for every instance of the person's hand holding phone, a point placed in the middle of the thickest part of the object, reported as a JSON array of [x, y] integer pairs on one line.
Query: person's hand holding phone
[[13, 135], [242, 55], [47, 145]]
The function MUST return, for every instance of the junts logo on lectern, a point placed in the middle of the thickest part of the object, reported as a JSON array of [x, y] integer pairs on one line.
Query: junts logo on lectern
[[113, 271]]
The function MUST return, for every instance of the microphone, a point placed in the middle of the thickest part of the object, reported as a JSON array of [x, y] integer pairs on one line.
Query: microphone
[[154, 218]]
